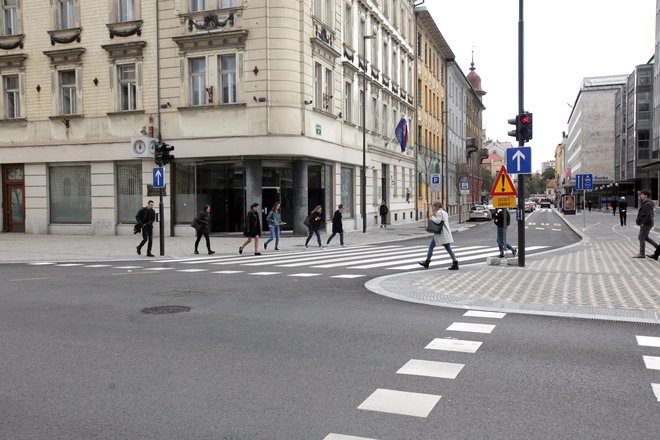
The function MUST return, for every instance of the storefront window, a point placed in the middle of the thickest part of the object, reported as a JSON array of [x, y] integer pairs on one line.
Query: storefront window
[[347, 191], [70, 194], [186, 199], [129, 191]]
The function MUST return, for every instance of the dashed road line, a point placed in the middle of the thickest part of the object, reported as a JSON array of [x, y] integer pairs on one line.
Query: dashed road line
[[469, 327], [652, 362], [441, 370], [192, 270], [304, 275], [481, 314], [648, 341], [345, 437], [458, 345], [400, 402], [656, 390]]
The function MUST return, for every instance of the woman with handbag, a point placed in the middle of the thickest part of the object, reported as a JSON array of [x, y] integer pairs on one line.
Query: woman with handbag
[[439, 224], [313, 223], [202, 228], [252, 229]]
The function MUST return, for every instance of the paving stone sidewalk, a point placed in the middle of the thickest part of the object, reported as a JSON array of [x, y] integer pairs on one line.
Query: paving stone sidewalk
[[596, 278]]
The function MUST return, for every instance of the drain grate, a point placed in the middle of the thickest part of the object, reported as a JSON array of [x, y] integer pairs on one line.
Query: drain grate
[[162, 310]]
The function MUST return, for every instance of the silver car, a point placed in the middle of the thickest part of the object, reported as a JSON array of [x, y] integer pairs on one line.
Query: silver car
[[480, 212]]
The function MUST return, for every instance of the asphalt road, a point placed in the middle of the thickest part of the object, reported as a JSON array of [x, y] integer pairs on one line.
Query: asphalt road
[[291, 357]]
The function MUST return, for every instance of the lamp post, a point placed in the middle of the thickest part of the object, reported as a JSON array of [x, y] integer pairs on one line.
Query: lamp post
[[363, 179]]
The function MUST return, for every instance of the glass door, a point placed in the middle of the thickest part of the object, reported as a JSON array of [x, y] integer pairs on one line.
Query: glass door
[[13, 188]]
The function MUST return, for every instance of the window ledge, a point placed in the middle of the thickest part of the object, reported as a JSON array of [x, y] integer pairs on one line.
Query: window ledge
[[9, 42], [325, 112], [211, 106], [61, 117], [126, 112], [350, 123], [10, 121]]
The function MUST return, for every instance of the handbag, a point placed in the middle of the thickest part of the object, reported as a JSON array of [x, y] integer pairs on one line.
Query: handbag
[[435, 228], [195, 224]]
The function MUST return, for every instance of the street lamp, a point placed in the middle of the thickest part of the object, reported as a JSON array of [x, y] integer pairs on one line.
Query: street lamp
[[363, 182]]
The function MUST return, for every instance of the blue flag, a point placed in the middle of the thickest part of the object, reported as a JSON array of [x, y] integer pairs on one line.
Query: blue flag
[[401, 133]]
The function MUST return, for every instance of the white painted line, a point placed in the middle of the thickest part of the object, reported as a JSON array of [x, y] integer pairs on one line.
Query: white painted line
[[531, 224], [228, 271], [192, 270], [127, 267], [558, 230], [442, 370], [656, 390], [460, 256], [345, 437], [458, 345], [652, 362], [69, 264], [264, 273], [347, 276], [480, 314], [97, 265], [419, 255], [160, 268], [648, 341], [44, 263], [304, 275], [400, 402], [540, 229], [467, 327]]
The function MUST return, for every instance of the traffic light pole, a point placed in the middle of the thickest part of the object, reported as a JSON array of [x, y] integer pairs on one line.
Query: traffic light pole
[[521, 141], [161, 210]]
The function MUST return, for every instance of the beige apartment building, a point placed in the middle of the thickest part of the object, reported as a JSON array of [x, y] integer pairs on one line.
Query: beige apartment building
[[262, 100]]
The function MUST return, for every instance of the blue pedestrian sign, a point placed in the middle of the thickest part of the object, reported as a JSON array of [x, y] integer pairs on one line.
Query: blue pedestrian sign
[[159, 177], [519, 160], [588, 182], [584, 182]]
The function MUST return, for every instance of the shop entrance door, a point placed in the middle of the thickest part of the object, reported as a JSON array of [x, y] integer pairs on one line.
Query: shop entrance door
[[13, 205]]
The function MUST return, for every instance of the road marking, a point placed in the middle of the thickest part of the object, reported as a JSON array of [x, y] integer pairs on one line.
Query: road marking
[[652, 362], [458, 345], [43, 263], [400, 258], [480, 314], [228, 271], [540, 229], [264, 273], [467, 327], [97, 265], [304, 275], [31, 279], [656, 390], [442, 370], [127, 267], [345, 437], [460, 256], [347, 276], [69, 264], [400, 402], [558, 230], [192, 270], [648, 341], [160, 268]]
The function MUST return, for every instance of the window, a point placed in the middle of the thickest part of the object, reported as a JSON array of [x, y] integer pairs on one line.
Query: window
[[227, 3], [348, 102], [322, 87], [12, 97], [228, 78], [385, 118], [374, 114], [347, 191], [327, 96], [318, 86], [348, 24], [197, 5], [386, 58], [129, 191], [361, 108], [70, 194], [10, 17], [126, 11], [68, 95], [198, 81], [67, 14], [323, 10], [127, 87], [374, 48]]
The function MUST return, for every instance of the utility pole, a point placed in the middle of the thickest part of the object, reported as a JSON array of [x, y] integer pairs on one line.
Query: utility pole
[[521, 141]]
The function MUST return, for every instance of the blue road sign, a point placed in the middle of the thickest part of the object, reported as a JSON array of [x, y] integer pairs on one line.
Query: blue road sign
[[159, 177], [588, 182], [579, 182], [519, 160]]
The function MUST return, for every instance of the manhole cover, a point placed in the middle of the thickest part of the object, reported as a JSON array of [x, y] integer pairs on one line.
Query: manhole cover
[[161, 310]]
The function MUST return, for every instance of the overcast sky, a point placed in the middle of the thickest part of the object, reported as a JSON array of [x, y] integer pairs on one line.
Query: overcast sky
[[565, 41]]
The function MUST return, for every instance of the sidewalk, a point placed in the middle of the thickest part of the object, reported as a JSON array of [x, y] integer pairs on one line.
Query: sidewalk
[[596, 278]]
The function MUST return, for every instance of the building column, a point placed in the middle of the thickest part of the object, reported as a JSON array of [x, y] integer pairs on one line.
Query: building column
[[253, 182], [300, 196]]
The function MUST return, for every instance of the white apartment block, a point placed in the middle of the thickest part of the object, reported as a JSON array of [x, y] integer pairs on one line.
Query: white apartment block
[[262, 100]]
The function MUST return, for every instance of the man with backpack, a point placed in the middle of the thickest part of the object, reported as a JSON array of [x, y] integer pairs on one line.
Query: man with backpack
[[502, 221]]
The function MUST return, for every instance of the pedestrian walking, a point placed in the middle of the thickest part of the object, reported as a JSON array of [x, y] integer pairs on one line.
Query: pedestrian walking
[[645, 223], [614, 205], [623, 211], [383, 211], [146, 217], [274, 220], [502, 221], [203, 228], [337, 225], [443, 238], [589, 205], [252, 229], [313, 223]]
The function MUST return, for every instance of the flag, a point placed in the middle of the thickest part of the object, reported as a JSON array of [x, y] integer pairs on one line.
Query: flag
[[401, 133]]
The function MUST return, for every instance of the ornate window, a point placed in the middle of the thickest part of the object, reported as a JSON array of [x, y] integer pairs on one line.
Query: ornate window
[[10, 17], [12, 81], [197, 76], [68, 93], [227, 64], [66, 75], [127, 87], [126, 75], [348, 102], [197, 5], [322, 10], [322, 87], [12, 96]]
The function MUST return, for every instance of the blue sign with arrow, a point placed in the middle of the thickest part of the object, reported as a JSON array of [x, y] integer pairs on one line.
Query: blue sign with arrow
[[159, 177], [588, 182], [519, 160]]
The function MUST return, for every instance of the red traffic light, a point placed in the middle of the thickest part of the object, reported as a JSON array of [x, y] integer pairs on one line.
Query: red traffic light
[[524, 118]]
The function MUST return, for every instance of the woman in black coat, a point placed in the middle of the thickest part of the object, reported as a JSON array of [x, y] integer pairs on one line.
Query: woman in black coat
[[337, 225], [252, 229], [204, 229], [313, 223]]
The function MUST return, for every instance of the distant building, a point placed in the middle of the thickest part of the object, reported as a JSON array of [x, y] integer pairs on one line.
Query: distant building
[[547, 164], [492, 163], [497, 146]]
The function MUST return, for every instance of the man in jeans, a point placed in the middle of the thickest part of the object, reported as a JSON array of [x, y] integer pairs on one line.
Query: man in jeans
[[146, 218], [502, 221], [645, 223]]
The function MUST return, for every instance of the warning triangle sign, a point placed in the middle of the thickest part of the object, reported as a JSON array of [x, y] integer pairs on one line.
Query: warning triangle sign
[[503, 185]]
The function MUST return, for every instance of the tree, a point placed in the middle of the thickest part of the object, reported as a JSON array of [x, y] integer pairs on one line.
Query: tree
[[549, 173]]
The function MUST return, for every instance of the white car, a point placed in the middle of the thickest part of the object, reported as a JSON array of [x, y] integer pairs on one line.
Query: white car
[[480, 212]]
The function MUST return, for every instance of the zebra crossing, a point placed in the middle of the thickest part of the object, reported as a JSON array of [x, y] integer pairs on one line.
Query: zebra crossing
[[651, 345], [357, 261]]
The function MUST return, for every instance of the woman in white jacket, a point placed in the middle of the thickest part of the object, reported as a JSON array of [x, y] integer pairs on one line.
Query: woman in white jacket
[[442, 238]]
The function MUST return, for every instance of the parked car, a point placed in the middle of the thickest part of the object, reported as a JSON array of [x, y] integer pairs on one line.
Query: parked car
[[480, 212], [529, 205], [545, 203]]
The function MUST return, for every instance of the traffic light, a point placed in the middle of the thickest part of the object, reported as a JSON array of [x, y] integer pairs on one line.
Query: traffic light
[[158, 153], [515, 121], [167, 155], [525, 127]]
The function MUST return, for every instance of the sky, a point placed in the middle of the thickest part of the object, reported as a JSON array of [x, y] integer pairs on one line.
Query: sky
[[565, 41]]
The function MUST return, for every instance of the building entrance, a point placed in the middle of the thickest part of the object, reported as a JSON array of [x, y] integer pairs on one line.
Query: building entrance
[[13, 196], [223, 187]]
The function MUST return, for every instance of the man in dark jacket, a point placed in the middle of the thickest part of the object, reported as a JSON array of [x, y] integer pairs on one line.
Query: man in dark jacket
[[146, 218], [614, 205], [203, 228], [383, 211], [645, 223], [252, 229], [623, 211], [502, 221], [337, 225]]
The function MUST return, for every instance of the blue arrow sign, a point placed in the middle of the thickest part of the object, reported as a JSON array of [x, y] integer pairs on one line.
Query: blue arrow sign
[[159, 177], [588, 182], [579, 182], [519, 160]]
